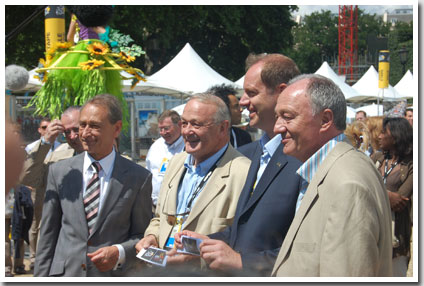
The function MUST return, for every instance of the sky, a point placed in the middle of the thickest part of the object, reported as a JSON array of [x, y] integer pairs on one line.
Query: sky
[[370, 9]]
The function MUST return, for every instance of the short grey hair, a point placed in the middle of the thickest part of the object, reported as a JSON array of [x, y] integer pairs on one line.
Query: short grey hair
[[222, 113], [324, 93], [71, 109], [111, 103]]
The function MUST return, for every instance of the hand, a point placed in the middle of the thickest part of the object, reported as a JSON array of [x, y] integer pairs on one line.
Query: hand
[[397, 201], [178, 235], [178, 258], [105, 258], [219, 255], [146, 242], [54, 128]]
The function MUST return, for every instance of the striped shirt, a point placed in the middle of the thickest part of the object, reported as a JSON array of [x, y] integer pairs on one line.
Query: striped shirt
[[310, 167]]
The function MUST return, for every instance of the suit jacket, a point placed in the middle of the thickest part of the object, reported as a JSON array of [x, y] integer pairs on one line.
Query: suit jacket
[[242, 137], [343, 225], [64, 239], [263, 219], [215, 207]]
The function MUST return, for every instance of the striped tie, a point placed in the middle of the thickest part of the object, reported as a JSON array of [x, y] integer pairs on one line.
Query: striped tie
[[92, 197]]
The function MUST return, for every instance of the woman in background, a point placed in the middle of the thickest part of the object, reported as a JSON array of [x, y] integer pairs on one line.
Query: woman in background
[[396, 166]]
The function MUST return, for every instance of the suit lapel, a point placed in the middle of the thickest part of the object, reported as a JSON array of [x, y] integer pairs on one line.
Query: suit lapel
[[213, 187], [275, 165], [311, 195], [251, 177], [77, 169], [113, 192], [170, 203]]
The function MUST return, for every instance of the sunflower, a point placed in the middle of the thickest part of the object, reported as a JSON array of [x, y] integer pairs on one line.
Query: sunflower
[[44, 63], [63, 46], [42, 76], [91, 64], [137, 77], [98, 48], [126, 57]]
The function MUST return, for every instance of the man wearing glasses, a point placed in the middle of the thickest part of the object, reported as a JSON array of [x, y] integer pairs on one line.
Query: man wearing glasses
[[35, 169], [163, 149], [201, 186]]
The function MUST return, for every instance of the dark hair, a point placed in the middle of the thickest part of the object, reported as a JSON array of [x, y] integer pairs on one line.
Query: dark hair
[[175, 117], [111, 103], [222, 91], [47, 119], [408, 109], [92, 15], [401, 131]]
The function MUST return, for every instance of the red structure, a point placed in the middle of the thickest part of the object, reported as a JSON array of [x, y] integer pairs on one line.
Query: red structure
[[348, 40]]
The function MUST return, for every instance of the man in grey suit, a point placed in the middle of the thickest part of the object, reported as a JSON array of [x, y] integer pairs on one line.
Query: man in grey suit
[[97, 204], [342, 225]]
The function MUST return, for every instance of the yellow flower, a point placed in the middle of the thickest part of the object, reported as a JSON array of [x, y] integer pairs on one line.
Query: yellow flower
[[97, 49], [63, 46], [126, 57], [91, 64]]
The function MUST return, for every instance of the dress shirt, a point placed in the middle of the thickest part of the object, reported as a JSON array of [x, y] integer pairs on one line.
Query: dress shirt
[[192, 178], [310, 167], [268, 149], [104, 175], [157, 160]]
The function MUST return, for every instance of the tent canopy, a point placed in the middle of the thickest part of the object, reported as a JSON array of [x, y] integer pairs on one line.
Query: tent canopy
[[326, 71], [372, 109], [404, 86], [189, 73], [367, 87]]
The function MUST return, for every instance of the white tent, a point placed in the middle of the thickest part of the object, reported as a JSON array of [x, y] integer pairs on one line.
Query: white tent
[[350, 113], [405, 87], [189, 73], [367, 87], [372, 109], [349, 93], [240, 82]]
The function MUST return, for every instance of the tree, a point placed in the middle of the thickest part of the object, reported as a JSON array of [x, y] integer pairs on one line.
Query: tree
[[222, 35]]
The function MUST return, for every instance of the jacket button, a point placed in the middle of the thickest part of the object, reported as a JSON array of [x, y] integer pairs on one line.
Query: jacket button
[[83, 267]]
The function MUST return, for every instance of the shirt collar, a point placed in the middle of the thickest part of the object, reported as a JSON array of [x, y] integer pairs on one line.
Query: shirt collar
[[106, 163], [270, 145], [310, 167], [175, 144], [204, 166]]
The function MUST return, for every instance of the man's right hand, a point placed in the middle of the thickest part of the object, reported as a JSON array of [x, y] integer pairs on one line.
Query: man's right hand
[[54, 128], [146, 242], [178, 235]]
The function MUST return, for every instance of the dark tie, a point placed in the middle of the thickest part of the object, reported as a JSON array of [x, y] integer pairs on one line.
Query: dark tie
[[92, 197]]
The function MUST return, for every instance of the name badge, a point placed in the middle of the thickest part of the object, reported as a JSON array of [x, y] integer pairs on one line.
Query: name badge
[[178, 223]]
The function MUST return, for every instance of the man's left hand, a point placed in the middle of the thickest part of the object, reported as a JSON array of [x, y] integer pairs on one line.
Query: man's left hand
[[219, 255], [105, 258]]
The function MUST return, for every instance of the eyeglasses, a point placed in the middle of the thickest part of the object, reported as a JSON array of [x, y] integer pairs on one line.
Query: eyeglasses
[[196, 125], [43, 127], [68, 132]]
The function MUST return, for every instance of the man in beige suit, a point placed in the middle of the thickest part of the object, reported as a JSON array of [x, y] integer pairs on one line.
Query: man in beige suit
[[201, 186], [342, 225], [36, 165]]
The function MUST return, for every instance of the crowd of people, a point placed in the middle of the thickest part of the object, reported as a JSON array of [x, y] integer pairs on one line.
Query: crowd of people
[[311, 197]]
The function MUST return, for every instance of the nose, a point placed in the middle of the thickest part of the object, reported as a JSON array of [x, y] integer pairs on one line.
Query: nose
[[280, 126], [244, 101]]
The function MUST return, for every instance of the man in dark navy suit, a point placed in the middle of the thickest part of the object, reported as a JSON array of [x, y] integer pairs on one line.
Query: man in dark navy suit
[[266, 206]]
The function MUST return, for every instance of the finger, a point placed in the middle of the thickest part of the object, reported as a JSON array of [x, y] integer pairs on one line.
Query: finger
[[94, 253]]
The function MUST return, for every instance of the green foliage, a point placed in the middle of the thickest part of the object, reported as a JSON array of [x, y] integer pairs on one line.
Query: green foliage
[[400, 37], [123, 44]]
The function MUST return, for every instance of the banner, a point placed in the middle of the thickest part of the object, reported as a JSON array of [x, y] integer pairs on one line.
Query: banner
[[383, 69], [54, 25]]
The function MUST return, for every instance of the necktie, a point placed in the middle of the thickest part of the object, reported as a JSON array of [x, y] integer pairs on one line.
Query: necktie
[[92, 197], [263, 163]]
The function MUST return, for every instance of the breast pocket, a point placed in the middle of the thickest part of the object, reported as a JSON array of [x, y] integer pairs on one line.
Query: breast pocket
[[304, 247]]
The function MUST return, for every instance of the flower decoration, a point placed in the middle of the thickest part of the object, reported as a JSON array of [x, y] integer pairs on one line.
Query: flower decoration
[[63, 46], [98, 48], [137, 77], [91, 64], [126, 57]]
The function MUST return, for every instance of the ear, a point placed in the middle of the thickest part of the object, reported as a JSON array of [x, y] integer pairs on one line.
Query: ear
[[281, 87], [117, 128], [225, 125], [327, 118]]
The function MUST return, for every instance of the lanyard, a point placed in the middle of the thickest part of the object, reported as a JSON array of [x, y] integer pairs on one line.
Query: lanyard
[[202, 183], [387, 172]]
